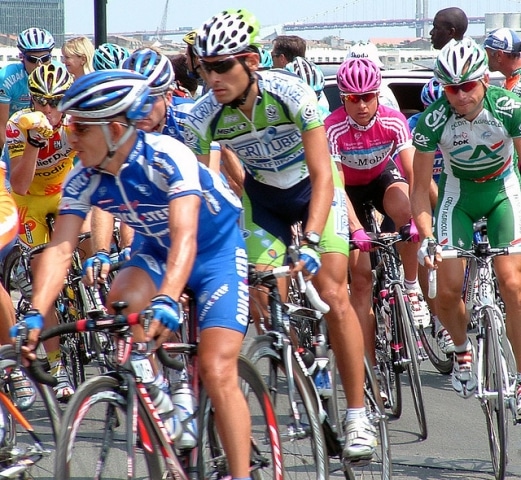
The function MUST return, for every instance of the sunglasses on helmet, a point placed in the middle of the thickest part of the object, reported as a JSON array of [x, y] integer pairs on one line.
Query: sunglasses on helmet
[[466, 87], [34, 59]]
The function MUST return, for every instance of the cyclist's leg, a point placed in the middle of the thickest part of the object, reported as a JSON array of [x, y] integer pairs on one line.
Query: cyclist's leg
[[223, 319]]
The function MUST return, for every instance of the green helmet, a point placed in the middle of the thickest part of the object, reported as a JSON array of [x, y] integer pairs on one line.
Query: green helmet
[[226, 33], [461, 61]]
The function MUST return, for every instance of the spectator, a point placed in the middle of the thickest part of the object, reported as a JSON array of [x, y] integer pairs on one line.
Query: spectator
[[78, 53], [503, 47], [35, 45], [286, 48], [449, 23]]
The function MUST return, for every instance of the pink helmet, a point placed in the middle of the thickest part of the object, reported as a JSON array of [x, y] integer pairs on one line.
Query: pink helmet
[[358, 75]]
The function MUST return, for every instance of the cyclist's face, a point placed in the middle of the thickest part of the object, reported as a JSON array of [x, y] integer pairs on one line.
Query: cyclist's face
[[364, 109], [52, 113], [156, 117], [467, 104]]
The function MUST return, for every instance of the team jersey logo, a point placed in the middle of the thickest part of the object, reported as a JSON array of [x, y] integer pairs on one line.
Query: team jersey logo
[[436, 118], [507, 105], [421, 140]]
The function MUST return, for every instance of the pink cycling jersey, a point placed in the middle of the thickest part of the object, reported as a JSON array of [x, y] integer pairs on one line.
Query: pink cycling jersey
[[364, 151]]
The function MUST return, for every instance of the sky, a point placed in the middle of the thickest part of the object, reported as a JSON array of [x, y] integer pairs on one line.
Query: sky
[[134, 15]]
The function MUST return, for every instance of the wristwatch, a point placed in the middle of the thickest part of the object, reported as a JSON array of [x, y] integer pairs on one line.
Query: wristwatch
[[313, 238]]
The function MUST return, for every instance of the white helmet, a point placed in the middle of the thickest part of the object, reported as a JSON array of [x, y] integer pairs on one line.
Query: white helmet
[[365, 50]]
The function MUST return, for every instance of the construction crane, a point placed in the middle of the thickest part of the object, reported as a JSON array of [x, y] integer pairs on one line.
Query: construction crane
[[162, 27]]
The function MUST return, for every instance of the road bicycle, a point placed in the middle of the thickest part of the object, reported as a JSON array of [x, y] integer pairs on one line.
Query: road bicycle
[[311, 425], [75, 301], [495, 363], [111, 428], [399, 341], [24, 448]]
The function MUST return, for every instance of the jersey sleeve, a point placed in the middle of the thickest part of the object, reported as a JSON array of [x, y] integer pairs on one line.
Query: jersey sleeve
[[78, 187], [15, 136], [197, 130], [429, 127]]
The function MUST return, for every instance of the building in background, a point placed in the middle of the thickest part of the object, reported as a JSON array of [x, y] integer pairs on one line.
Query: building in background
[[17, 15]]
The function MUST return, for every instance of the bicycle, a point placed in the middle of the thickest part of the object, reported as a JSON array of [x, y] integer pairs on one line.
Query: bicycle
[[496, 366], [74, 302], [311, 426], [399, 345], [23, 446], [111, 428]]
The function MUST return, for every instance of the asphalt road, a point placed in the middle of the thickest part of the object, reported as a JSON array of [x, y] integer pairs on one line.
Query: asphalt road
[[456, 447]]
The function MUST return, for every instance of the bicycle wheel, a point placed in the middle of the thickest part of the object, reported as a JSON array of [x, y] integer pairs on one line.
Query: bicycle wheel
[[406, 323], [390, 375], [94, 433], [303, 444], [266, 457], [493, 400], [17, 281], [440, 361], [380, 467]]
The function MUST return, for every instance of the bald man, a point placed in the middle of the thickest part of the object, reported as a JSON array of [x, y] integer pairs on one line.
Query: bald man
[[448, 23]]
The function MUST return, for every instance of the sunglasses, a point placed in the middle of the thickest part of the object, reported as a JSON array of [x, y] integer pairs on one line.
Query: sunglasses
[[221, 66], [44, 101], [355, 98], [80, 128], [33, 59], [466, 87]]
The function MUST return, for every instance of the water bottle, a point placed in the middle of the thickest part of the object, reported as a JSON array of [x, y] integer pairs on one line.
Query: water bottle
[[32, 120], [160, 398], [184, 415]]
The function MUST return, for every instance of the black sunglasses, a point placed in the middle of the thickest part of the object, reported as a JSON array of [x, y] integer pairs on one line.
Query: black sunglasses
[[44, 101], [33, 59], [221, 66]]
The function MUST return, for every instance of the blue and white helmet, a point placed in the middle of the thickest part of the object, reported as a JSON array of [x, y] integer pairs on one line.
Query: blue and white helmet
[[109, 56], [309, 72], [153, 65], [34, 39], [106, 93]]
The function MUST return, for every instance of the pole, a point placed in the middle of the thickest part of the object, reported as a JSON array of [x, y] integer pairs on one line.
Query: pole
[[100, 22]]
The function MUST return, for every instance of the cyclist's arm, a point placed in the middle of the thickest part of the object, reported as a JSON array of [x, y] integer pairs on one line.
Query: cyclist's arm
[[23, 167], [406, 158], [319, 164], [102, 228], [420, 201], [4, 117], [517, 146], [54, 261]]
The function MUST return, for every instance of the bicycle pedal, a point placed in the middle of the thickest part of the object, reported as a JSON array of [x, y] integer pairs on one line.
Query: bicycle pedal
[[358, 463]]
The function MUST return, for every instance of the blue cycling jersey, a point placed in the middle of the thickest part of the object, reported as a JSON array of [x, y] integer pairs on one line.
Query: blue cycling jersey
[[159, 169], [176, 114], [14, 89]]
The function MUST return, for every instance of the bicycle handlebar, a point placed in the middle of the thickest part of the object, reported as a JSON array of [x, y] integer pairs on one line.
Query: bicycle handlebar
[[106, 323], [475, 252]]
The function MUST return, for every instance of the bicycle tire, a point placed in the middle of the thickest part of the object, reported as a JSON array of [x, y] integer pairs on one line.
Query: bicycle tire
[[381, 466], [94, 433], [304, 451], [266, 460], [12, 265], [390, 379], [440, 361], [494, 406], [406, 324]]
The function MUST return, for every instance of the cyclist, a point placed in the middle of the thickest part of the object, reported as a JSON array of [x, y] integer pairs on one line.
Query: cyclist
[[431, 91], [370, 51], [270, 120], [78, 53], [363, 136], [314, 77], [40, 155], [476, 127], [109, 56], [166, 116], [189, 219], [503, 47], [286, 48], [35, 45]]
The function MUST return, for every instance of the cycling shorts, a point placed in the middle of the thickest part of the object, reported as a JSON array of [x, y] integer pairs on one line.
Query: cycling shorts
[[271, 212], [374, 193], [9, 223], [219, 281], [33, 210], [463, 202]]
